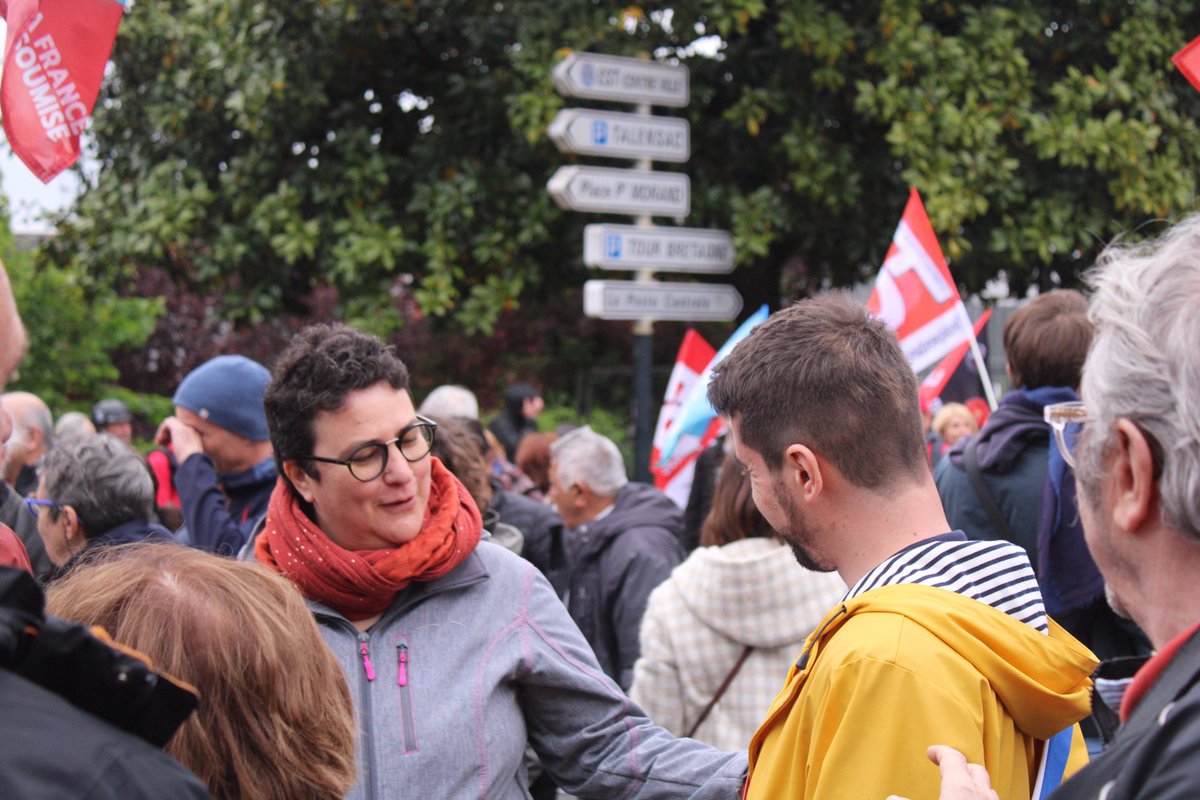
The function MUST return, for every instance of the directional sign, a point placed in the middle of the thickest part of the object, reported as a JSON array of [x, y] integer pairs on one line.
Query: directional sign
[[626, 80], [688, 302], [621, 191], [700, 250], [609, 133]]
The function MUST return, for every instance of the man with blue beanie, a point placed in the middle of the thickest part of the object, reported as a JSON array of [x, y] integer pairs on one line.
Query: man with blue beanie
[[219, 438]]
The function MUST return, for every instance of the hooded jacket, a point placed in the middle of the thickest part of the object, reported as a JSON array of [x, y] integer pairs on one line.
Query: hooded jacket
[[901, 667], [697, 623], [461, 671], [221, 510], [615, 561]]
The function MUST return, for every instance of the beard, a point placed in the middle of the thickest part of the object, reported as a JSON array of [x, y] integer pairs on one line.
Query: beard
[[798, 533]]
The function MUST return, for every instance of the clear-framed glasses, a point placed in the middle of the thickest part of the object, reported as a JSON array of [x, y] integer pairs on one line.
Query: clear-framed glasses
[[369, 461], [1066, 420], [34, 503]]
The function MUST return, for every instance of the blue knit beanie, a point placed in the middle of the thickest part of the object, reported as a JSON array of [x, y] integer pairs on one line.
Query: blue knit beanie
[[228, 391]]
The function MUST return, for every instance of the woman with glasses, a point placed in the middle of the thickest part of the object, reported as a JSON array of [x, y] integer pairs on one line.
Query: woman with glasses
[[94, 492], [457, 652]]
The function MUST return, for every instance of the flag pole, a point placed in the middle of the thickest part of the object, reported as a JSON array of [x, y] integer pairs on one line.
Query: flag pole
[[977, 355]]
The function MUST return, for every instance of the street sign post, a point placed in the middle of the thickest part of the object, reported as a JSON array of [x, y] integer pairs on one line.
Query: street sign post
[[696, 250], [616, 135], [661, 301], [625, 80], [621, 191]]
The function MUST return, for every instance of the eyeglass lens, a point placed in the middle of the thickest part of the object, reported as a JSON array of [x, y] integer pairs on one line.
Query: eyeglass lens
[[369, 461]]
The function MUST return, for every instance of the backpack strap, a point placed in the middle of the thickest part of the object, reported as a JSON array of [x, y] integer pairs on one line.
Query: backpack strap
[[720, 690], [986, 498]]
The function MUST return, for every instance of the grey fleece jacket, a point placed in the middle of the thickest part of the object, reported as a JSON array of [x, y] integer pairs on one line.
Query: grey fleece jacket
[[461, 671]]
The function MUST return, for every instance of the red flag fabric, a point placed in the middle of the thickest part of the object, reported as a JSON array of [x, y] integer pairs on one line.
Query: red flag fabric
[[1188, 61], [54, 59], [675, 477], [914, 293], [937, 378]]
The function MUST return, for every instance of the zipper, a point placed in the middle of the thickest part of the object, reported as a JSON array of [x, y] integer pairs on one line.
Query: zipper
[[366, 658], [369, 773], [407, 722]]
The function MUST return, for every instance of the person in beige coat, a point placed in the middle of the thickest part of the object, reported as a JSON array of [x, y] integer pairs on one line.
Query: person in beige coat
[[740, 600]]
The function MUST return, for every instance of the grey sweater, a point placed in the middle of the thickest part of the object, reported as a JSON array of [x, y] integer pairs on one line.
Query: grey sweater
[[461, 672]]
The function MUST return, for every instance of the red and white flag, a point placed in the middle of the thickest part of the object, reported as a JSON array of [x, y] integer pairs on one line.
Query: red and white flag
[[54, 58], [915, 295], [674, 478], [1188, 61], [940, 375]]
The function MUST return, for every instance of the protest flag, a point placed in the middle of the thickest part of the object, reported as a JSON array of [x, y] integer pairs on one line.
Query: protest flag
[[696, 414], [674, 477], [916, 297], [54, 58], [950, 370], [1188, 62]]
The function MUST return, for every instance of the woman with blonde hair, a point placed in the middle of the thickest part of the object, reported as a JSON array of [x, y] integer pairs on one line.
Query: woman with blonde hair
[[721, 632], [952, 422], [274, 720]]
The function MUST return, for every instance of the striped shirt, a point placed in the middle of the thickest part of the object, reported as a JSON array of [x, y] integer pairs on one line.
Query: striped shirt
[[995, 573]]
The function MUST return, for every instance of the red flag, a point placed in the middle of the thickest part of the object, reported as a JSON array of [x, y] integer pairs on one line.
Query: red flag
[[675, 477], [937, 378], [1188, 61], [914, 293], [54, 60]]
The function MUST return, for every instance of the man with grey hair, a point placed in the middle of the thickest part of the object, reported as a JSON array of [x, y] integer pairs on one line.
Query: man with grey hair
[[1134, 442], [94, 491], [621, 540], [33, 435], [14, 515], [449, 402]]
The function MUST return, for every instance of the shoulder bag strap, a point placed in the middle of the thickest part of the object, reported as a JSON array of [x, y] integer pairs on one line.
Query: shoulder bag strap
[[986, 498], [720, 690]]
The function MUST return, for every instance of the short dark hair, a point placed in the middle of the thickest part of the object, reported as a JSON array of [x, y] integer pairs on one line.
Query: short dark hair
[[733, 515], [825, 373], [1047, 339], [315, 373]]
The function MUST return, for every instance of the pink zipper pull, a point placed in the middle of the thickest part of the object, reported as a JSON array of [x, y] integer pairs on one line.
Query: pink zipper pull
[[402, 667], [367, 661]]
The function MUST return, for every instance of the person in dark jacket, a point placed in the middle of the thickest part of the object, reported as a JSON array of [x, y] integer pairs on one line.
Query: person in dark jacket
[[220, 440], [622, 540], [522, 404], [1021, 491], [94, 492], [1134, 445], [80, 719], [14, 515]]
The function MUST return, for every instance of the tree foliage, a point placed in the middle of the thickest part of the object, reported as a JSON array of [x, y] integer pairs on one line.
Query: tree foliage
[[394, 152]]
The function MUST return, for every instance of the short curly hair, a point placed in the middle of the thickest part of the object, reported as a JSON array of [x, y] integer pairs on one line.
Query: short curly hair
[[317, 371]]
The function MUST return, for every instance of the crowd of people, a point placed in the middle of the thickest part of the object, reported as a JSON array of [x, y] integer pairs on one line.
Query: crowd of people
[[311, 587]]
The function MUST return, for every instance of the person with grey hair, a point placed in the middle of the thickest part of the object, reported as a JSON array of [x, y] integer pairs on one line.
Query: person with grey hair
[[94, 492], [621, 540], [1134, 443], [450, 402], [33, 435], [73, 424]]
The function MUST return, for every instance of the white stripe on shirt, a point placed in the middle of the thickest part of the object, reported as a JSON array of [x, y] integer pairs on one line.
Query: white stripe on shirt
[[995, 573]]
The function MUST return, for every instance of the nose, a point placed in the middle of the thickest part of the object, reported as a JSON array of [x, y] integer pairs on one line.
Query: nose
[[398, 470]]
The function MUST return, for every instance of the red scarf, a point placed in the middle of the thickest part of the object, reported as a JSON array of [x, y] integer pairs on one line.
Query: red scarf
[[362, 583]]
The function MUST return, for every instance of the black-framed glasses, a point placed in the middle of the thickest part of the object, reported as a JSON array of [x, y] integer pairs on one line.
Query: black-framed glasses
[[34, 503], [1066, 420], [369, 461]]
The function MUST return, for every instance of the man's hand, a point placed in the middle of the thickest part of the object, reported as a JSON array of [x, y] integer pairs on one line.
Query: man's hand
[[186, 442], [960, 780]]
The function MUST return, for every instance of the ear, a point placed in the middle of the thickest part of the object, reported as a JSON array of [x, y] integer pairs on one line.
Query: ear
[[581, 495], [1135, 494], [300, 479], [72, 529], [801, 465]]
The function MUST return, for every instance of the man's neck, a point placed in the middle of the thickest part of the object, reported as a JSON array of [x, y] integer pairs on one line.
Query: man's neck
[[881, 524], [1165, 598]]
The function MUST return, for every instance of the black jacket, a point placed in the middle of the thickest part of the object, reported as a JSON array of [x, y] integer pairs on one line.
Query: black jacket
[[614, 564], [542, 529], [14, 514], [78, 718], [220, 511], [1155, 753]]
